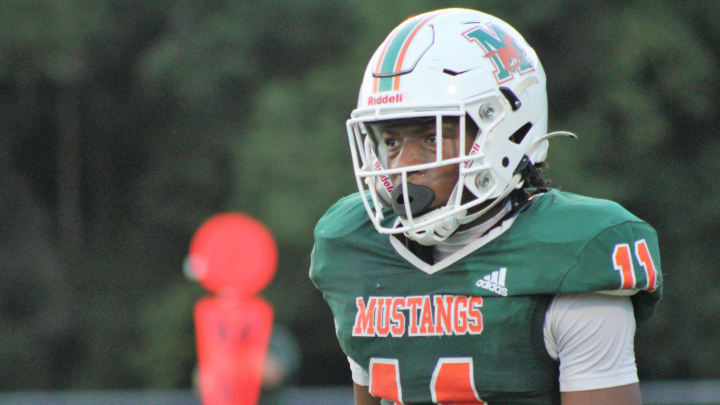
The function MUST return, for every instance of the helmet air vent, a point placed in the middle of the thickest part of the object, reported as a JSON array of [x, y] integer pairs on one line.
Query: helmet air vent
[[518, 136], [453, 72], [511, 98]]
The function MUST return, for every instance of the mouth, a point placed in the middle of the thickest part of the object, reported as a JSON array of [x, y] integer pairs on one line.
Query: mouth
[[420, 199]]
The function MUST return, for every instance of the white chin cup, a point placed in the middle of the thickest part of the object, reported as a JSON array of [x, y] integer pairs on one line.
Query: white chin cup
[[435, 232]]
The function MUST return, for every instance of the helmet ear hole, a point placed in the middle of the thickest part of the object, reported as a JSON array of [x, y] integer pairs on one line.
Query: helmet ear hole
[[505, 161]]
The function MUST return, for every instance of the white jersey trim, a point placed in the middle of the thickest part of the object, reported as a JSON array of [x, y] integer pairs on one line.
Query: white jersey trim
[[454, 257]]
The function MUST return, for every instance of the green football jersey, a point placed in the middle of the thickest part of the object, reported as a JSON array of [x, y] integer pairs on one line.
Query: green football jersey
[[471, 332]]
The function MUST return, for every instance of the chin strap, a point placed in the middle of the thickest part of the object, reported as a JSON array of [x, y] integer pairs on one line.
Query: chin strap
[[516, 182], [483, 227]]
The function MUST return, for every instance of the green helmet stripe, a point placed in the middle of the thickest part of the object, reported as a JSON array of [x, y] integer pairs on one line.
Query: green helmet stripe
[[392, 52]]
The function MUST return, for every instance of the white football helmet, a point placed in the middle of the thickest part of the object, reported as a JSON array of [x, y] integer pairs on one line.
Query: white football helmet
[[456, 63]]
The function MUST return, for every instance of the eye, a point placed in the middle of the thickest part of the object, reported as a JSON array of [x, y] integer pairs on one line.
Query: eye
[[430, 138], [391, 142]]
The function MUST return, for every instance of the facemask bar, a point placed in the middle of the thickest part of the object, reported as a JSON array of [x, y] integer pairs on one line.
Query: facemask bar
[[367, 180], [370, 178]]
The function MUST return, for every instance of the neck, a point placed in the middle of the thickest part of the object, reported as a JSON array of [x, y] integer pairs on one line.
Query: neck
[[490, 218], [516, 200]]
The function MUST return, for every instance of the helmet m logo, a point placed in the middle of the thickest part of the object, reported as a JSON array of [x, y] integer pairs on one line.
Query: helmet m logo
[[502, 49]]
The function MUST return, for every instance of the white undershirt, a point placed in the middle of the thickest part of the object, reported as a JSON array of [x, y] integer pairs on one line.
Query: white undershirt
[[591, 334]]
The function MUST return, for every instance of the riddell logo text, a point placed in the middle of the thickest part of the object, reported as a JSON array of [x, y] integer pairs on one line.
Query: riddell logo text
[[384, 179], [475, 148], [420, 315], [386, 99]]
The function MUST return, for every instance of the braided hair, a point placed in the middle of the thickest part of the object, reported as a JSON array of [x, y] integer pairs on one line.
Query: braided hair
[[535, 183]]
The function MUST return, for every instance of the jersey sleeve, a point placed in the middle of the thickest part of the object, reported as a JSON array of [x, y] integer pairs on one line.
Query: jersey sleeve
[[592, 337], [623, 259]]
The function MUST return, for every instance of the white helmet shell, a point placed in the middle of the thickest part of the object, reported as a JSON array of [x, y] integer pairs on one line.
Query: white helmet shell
[[451, 63]]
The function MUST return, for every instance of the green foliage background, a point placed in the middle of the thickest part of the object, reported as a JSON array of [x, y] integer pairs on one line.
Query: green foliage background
[[125, 124]]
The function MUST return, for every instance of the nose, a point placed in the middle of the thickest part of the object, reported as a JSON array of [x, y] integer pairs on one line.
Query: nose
[[411, 153]]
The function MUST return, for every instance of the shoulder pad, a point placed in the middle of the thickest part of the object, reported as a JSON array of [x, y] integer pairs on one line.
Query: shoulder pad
[[615, 251], [570, 243], [343, 238], [345, 216]]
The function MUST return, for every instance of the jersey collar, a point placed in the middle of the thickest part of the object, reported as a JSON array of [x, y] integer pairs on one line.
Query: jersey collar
[[454, 257]]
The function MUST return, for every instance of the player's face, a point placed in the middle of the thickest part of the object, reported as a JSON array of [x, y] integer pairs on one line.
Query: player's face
[[416, 143]]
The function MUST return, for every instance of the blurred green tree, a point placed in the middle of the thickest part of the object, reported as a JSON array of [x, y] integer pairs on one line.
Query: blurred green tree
[[128, 123]]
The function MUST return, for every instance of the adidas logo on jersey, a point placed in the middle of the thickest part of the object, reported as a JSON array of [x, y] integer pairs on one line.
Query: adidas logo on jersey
[[494, 282]]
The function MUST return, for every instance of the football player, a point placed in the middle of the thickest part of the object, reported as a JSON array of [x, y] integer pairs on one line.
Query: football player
[[456, 275]]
